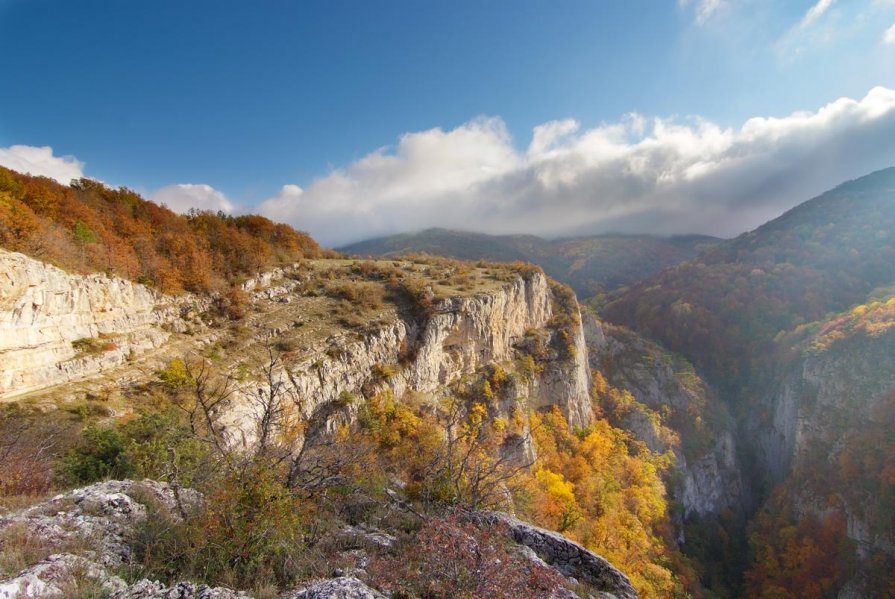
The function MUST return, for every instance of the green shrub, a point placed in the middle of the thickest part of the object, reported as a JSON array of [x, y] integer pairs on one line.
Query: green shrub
[[101, 454], [247, 534], [159, 444]]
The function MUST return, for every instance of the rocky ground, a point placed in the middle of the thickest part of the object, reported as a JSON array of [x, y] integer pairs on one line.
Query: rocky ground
[[78, 543]]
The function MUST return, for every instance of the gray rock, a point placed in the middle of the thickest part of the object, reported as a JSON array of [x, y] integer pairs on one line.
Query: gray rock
[[54, 576], [566, 556], [346, 587], [372, 536], [146, 589], [102, 514]]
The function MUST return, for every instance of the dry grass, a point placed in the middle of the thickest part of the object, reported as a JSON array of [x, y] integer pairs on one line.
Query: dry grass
[[19, 548]]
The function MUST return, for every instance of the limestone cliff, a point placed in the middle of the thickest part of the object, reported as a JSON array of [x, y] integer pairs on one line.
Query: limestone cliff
[[461, 335], [56, 326], [666, 389], [824, 399]]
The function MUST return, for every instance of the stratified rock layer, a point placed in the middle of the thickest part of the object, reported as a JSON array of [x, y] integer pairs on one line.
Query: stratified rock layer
[[43, 310]]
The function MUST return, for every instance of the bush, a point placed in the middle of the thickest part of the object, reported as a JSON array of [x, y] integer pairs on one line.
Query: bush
[[160, 446], [247, 534], [28, 446], [102, 454], [447, 558]]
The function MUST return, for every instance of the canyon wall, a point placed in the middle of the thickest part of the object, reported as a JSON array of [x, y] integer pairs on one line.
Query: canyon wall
[[462, 335], [56, 326]]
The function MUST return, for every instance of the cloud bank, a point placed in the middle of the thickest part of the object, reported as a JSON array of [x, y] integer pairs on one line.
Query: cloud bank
[[40, 161], [183, 196], [654, 175]]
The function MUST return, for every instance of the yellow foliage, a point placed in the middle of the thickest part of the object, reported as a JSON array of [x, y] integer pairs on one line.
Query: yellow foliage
[[604, 490], [389, 422], [556, 499]]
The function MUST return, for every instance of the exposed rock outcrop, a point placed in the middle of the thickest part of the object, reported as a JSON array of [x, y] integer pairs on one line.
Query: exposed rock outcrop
[[99, 517], [45, 311], [570, 558], [102, 515], [147, 589], [344, 587], [57, 576], [104, 512]]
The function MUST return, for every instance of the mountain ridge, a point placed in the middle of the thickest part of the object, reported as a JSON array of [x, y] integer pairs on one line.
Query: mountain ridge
[[590, 264]]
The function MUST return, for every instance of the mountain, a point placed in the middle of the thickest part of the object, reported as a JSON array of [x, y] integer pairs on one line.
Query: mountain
[[590, 265], [725, 308], [793, 325], [305, 413]]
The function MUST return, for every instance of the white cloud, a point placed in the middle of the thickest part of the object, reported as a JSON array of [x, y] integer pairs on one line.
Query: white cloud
[[637, 175], [40, 161], [889, 36], [704, 9], [816, 11], [812, 32], [183, 196]]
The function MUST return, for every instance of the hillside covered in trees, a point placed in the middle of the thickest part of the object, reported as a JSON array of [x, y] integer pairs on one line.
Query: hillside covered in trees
[[793, 324], [89, 227], [725, 308]]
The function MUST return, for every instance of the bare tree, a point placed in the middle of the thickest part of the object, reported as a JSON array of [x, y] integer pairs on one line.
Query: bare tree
[[471, 461]]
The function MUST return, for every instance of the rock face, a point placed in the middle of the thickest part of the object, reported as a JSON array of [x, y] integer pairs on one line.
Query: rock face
[[819, 389], [43, 310], [711, 479], [566, 382], [713, 482], [462, 335], [570, 558], [823, 397]]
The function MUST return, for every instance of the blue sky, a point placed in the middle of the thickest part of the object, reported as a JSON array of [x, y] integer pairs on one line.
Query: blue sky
[[352, 119]]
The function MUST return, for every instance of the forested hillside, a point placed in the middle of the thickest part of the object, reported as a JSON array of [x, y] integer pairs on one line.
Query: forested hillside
[[793, 324], [724, 309], [89, 227]]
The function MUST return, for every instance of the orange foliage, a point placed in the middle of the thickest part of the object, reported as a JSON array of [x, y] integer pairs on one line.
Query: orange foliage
[[798, 557], [88, 227]]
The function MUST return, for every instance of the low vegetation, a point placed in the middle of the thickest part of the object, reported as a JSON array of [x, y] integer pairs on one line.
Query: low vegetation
[[272, 511]]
